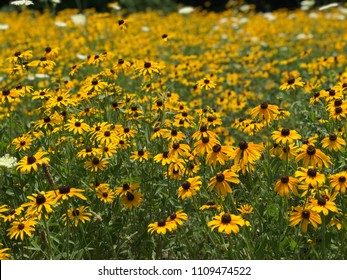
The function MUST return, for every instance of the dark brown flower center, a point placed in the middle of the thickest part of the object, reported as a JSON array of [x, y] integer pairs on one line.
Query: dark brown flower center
[[243, 145], [217, 148], [64, 189], [305, 214], [342, 179], [75, 212], [164, 36], [147, 65], [126, 187], [186, 185], [165, 154], [205, 140], [121, 21], [311, 150], [332, 137], [206, 81], [337, 102], [31, 160], [285, 179], [96, 161], [285, 132], [311, 172], [140, 152], [291, 81], [203, 128], [161, 223], [121, 61], [220, 177], [264, 105], [322, 201], [6, 92], [59, 98], [107, 133], [174, 132], [94, 82], [21, 226], [338, 110], [40, 199], [130, 196], [226, 218], [78, 124]]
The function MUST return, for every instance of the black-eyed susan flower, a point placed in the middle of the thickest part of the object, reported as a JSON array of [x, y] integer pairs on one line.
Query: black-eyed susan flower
[[4, 255], [312, 156], [323, 204], [288, 152], [285, 135], [286, 184], [87, 152], [219, 154], [162, 227], [227, 223], [206, 83], [174, 135], [265, 112], [76, 215], [77, 126], [12, 213], [220, 182], [121, 65], [189, 187], [140, 155], [164, 158], [125, 187], [96, 164], [28, 163], [40, 203], [204, 132], [210, 205], [338, 181], [148, 68], [292, 83], [245, 209], [178, 217], [304, 215], [310, 176], [21, 227], [105, 194], [132, 199], [205, 145], [64, 192], [22, 143], [246, 153], [333, 143], [122, 24]]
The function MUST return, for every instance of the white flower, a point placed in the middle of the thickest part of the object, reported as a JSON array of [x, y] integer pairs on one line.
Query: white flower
[[56, 1], [307, 4], [115, 6], [79, 19], [60, 23], [8, 162], [186, 10], [329, 6], [22, 2], [4, 26]]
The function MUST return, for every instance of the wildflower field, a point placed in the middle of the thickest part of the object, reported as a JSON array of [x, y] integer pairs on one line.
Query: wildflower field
[[191, 135]]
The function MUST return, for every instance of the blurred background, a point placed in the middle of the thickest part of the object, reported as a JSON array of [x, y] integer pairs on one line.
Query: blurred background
[[165, 5]]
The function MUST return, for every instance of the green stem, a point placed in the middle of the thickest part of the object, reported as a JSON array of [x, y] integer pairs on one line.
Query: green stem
[[48, 236]]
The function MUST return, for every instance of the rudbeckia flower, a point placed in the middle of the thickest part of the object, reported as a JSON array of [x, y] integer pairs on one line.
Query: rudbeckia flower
[[227, 223]]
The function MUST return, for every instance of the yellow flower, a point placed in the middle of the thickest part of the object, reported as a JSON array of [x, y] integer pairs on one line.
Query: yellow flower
[[76, 215], [29, 163], [304, 215], [226, 222], [206, 83], [22, 226], [189, 187]]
